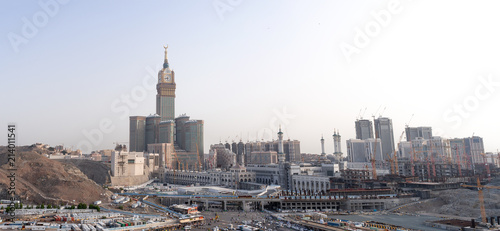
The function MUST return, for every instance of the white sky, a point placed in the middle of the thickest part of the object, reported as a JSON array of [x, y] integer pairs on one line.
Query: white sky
[[241, 69]]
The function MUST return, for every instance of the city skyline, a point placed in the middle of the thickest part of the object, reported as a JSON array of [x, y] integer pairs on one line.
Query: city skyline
[[245, 79]]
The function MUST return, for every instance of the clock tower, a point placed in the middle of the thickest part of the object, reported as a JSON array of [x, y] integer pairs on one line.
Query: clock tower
[[165, 97]]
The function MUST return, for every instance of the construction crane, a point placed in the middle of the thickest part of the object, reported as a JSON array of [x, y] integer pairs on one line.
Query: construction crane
[[492, 159], [411, 144], [378, 109], [470, 164], [459, 164], [487, 166], [374, 168], [381, 113], [396, 163], [481, 196], [445, 157], [360, 115], [198, 156], [412, 159], [178, 164], [428, 169], [391, 161], [376, 112], [498, 156], [432, 161], [395, 152], [472, 149]]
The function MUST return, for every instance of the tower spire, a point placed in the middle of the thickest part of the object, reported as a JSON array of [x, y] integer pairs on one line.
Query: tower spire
[[165, 97], [165, 62], [336, 144], [281, 155], [322, 146]]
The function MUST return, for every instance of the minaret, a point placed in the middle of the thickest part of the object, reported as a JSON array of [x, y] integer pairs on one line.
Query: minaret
[[281, 155], [336, 145], [334, 141], [322, 146]]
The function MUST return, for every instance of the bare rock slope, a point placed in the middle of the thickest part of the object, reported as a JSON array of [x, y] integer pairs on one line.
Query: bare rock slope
[[460, 202], [41, 180]]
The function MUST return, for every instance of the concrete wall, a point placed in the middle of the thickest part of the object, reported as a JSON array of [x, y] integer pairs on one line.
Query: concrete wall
[[378, 204], [443, 226], [391, 203], [168, 201], [137, 168]]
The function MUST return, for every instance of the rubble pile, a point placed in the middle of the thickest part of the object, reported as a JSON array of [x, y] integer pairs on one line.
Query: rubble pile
[[462, 202]]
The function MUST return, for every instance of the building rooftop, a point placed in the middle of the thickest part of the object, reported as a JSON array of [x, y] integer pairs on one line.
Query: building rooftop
[[182, 116], [153, 115]]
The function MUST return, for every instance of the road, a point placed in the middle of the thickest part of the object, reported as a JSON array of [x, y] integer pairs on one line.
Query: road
[[406, 221], [409, 204], [132, 214], [232, 217]]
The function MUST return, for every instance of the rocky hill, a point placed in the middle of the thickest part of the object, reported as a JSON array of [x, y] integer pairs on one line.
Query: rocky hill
[[41, 180], [96, 171], [460, 202]]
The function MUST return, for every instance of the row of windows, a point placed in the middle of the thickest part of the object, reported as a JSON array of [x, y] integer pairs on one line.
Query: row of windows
[[247, 178]]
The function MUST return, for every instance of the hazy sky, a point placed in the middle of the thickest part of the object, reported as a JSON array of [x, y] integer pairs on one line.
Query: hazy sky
[[74, 68]]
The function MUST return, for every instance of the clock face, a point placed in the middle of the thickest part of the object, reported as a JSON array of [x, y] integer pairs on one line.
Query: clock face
[[167, 75]]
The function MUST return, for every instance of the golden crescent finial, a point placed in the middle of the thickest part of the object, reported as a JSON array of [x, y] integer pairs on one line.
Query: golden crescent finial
[[166, 47]]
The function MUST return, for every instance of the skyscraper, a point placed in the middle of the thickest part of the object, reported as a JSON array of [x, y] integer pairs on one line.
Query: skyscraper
[[364, 129], [292, 150], [137, 142], [458, 154], [152, 129], [183, 136], [415, 132], [364, 150], [474, 146], [356, 151], [167, 132], [234, 147], [240, 154], [384, 132], [180, 130], [228, 146], [165, 97], [194, 137]]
